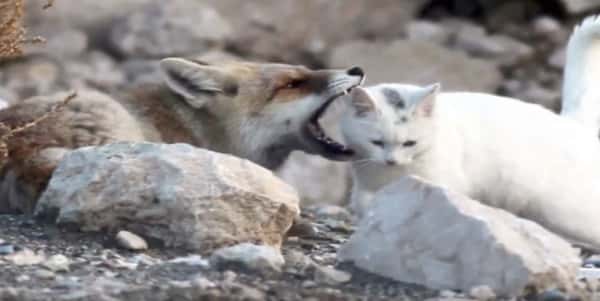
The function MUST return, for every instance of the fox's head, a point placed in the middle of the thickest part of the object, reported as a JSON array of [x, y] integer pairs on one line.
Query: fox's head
[[266, 111]]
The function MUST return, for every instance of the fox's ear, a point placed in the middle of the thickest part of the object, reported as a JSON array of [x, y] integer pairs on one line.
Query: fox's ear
[[361, 101], [198, 84], [426, 100]]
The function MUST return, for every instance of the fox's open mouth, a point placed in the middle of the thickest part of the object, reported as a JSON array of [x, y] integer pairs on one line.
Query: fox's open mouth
[[318, 135]]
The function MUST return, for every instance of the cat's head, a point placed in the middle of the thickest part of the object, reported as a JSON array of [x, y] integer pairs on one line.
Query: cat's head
[[390, 124]]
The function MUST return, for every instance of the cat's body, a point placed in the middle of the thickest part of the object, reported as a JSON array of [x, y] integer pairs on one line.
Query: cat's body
[[500, 151]]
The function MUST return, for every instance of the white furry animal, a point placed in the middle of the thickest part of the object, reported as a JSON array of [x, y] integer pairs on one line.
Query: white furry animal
[[501, 151], [581, 85]]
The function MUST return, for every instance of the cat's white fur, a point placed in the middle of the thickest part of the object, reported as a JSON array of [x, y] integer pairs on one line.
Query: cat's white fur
[[503, 152], [581, 86]]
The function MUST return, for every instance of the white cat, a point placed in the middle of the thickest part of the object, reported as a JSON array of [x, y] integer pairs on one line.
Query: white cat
[[501, 151]]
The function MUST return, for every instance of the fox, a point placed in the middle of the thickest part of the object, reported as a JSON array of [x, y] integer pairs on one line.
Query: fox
[[580, 91], [257, 111]]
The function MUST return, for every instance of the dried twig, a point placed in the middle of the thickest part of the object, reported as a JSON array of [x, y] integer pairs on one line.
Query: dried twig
[[8, 132]]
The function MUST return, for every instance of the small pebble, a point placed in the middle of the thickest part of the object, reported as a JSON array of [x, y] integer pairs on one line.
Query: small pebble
[[23, 278], [447, 294], [202, 283], [6, 249], [45, 274], [552, 295], [57, 263], [331, 276], [482, 293], [131, 241], [25, 257], [303, 228]]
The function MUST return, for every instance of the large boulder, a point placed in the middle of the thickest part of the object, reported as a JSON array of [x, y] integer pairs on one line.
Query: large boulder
[[177, 194], [420, 233], [419, 62], [157, 30]]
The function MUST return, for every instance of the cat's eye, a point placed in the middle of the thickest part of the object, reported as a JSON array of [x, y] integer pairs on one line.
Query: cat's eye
[[409, 143], [379, 143]]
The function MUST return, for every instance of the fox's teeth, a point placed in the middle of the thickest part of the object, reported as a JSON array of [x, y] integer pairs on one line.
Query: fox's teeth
[[345, 92]]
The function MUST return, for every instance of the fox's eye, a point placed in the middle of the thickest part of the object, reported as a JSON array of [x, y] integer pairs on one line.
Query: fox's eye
[[409, 143], [295, 84], [379, 143]]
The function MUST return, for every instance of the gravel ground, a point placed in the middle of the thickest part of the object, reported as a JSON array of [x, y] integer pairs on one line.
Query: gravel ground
[[100, 270]]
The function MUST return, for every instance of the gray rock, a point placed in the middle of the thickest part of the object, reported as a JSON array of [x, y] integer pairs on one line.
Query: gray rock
[[558, 59], [87, 14], [323, 212], [95, 70], [302, 31], [180, 28], [504, 49], [263, 259], [180, 195], [550, 29], [575, 7], [44, 274], [63, 44], [534, 93], [418, 62], [427, 31], [6, 248], [552, 295], [419, 233], [32, 77], [131, 241], [297, 260]]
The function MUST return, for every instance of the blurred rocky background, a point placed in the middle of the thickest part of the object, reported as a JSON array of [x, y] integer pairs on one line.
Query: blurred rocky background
[[509, 47]]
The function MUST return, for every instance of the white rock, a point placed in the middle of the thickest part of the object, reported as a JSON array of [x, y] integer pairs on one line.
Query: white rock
[[57, 263], [331, 276], [195, 260], [588, 273], [202, 283], [251, 256], [482, 293], [419, 233], [25, 257], [180, 195], [131, 241]]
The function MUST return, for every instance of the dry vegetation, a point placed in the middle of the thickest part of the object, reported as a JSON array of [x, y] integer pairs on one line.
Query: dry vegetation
[[12, 38]]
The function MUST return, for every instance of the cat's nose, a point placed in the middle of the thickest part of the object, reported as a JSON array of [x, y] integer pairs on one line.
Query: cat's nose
[[390, 162]]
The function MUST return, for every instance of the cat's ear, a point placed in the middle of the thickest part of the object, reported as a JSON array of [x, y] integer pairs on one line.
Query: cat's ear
[[427, 99], [361, 101], [197, 83]]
